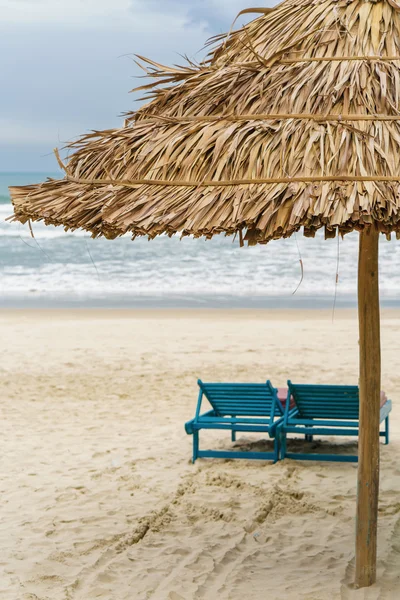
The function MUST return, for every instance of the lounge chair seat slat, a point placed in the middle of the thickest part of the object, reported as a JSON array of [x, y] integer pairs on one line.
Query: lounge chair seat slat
[[238, 410], [323, 422], [216, 419], [232, 427]]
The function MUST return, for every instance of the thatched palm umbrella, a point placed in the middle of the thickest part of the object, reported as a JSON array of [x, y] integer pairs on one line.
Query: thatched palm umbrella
[[292, 122]]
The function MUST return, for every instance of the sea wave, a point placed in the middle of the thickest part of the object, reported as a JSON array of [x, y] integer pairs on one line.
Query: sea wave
[[56, 263], [40, 230]]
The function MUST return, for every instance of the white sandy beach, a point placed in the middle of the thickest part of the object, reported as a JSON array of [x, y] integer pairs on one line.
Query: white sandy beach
[[99, 497]]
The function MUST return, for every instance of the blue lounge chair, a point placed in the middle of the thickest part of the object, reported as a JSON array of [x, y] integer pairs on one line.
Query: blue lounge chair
[[237, 407], [325, 410]]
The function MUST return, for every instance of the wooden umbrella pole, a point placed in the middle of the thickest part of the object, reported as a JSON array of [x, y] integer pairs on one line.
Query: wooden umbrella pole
[[370, 385]]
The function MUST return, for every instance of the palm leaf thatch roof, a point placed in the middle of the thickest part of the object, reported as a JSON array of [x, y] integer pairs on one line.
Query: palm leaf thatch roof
[[292, 121]]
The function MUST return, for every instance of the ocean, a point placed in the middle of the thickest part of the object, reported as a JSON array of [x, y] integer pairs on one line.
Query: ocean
[[59, 269]]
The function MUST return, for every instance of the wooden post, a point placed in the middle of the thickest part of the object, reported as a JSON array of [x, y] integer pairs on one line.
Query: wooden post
[[370, 385]]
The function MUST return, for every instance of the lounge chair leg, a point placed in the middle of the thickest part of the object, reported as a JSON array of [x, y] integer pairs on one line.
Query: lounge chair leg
[[233, 436], [387, 430], [195, 445], [283, 445], [309, 437], [276, 448]]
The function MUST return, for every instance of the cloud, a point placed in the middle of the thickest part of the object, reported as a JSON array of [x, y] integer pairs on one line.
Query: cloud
[[218, 15], [65, 68], [17, 131], [91, 14], [58, 83], [60, 11], [149, 15]]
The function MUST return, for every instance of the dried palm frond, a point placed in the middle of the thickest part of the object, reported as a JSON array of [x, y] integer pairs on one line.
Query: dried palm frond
[[292, 121]]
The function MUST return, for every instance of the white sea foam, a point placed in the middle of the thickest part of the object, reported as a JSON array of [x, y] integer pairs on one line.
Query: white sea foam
[[72, 264], [40, 231]]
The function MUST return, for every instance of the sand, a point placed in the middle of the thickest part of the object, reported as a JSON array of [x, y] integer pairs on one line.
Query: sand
[[99, 499]]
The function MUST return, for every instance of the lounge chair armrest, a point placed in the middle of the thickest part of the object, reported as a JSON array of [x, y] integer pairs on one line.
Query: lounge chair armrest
[[274, 426], [292, 413], [280, 421], [189, 425], [385, 410]]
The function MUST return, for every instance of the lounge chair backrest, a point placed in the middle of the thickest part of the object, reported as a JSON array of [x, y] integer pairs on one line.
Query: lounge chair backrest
[[242, 399], [326, 401]]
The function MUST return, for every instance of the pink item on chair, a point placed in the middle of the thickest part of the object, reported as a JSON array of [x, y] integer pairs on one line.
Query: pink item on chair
[[282, 395]]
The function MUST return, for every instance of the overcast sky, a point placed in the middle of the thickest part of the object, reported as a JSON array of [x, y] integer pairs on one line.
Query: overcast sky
[[67, 65]]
